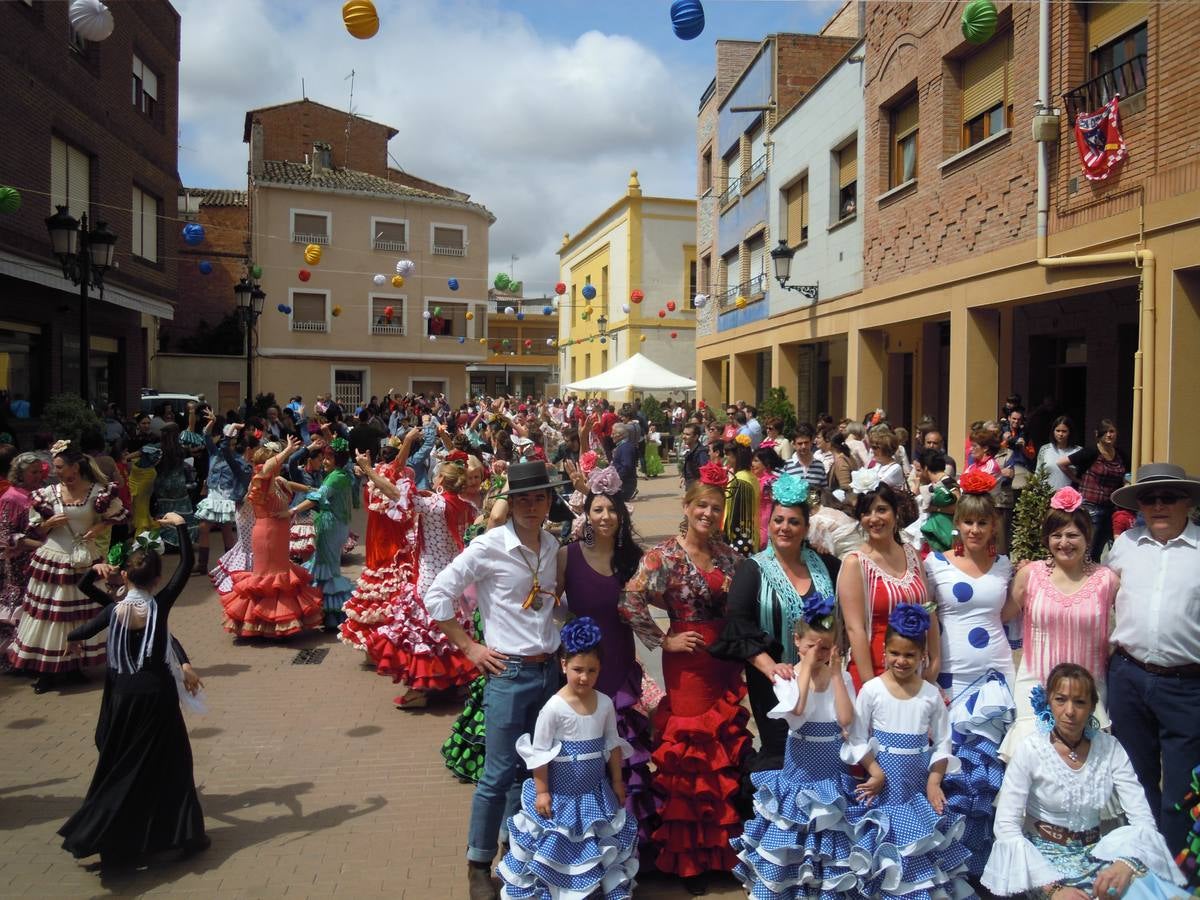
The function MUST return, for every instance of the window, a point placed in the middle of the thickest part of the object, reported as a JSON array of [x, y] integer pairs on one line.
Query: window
[[604, 287], [905, 119], [1117, 37], [706, 273], [986, 98], [692, 287], [446, 319], [145, 88], [847, 180], [706, 171], [732, 164], [756, 249], [70, 177], [309, 311], [381, 322], [143, 239], [758, 153], [795, 222], [731, 276], [389, 234], [449, 240], [310, 227]]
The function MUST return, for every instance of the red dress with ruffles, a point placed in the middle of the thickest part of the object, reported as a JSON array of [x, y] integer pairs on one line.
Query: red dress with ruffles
[[276, 598], [703, 742]]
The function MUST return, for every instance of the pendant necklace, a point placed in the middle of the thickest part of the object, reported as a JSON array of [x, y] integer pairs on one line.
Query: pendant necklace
[[534, 597], [1072, 749]]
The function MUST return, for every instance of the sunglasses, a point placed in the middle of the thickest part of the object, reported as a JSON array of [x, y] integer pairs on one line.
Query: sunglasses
[[1164, 499]]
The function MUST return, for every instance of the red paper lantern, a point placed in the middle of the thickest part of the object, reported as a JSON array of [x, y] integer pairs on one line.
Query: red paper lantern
[[671, 305], [560, 289], [305, 274], [674, 334], [636, 296], [662, 313], [388, 312], [528, 342]]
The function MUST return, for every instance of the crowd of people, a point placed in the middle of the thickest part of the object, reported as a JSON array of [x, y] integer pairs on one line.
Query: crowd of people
[[845, 585]]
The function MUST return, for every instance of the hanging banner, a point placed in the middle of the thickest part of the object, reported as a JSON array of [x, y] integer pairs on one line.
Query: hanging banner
[[1098, 137]]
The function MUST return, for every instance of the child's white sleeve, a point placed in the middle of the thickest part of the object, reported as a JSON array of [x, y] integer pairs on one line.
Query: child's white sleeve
[[544, 745], [612, 738], [860, 742]]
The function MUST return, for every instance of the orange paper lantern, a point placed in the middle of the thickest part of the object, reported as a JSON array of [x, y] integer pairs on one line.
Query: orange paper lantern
[[361, 19]]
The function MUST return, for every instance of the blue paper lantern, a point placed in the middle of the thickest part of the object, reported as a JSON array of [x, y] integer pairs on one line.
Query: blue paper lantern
[[589, 292], [520, 317], [193, 233], [205, 267], [453, 285], [284, 308], [462, 340], [604, 340], [547, 310], [687, 19]]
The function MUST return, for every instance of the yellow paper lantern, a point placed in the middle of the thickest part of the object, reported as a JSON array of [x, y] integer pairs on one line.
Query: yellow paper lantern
[[470, 316], [740, 303], [337, 310], [397, 281], [641, 339], [588, 309], [312, 254], [483, 340], [361, 19]]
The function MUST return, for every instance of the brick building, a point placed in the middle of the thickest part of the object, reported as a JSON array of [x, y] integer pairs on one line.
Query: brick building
[[96, 127], [963, 301]]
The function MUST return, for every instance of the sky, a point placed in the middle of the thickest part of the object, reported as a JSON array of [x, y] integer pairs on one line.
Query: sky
[[539, 109]]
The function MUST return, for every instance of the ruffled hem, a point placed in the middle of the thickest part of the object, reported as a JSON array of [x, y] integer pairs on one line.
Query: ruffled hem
[[985, 713], [464, 749], [428, 671], [41, 647], [217, 509], [815, 875], [1144, 844], [1014, 865], [971, 794], [904, 849], [271, 606]]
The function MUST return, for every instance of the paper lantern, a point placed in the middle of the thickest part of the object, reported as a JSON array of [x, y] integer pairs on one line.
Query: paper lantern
[[589, 292], [560, 289], [437, 310], [528, 343], [433, 337], [547, 310], [256, 271], [461, 339], [452, 284], [624, 307], [636, 296], [699, 300], [388, 312], [641, 339], [312, 254], [380, 280], [674, 334], [670, 306], [304, 275], [361, 19], [397, 281], [91, 19], [979, 21], [405, 267], [501, 283], [10, 199], [521, 317], [470, 316], [740, 303], [687, 19], [662, 313], [483, 340], [284, 308], [589, 310], [549, 342], [205, 267], [337, 311], [427, 315], [508, 310], [603, 339], [193, 233]]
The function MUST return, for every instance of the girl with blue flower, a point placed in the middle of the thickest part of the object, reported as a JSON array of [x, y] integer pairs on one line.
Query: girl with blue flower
[[572, 836]]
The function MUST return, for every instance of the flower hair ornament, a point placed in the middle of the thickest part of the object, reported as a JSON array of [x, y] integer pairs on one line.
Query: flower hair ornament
[[790, 490], [605, 481], [118, 554], [714, 473], [743, 439], [1067, 499], [818, 610], [910, 620], [457, 457], [581, 635], [59, 447], [230, 431], [976, 483], [587, 462], [339, 445], [864, 481]]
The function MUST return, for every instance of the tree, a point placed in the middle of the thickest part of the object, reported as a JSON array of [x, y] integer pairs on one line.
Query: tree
[[67, 416], [1028, 516], [777, 405], [653, 412]]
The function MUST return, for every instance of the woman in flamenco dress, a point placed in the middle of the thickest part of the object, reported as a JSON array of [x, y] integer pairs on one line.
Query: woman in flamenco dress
[[276, 598], [703, 743], [332, 502]]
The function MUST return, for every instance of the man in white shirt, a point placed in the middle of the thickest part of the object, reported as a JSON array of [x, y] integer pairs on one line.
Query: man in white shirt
[[514, 569], [1154, 672]]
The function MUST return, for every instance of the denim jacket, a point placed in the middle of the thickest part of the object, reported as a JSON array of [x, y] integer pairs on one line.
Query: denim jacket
[[228, 473]]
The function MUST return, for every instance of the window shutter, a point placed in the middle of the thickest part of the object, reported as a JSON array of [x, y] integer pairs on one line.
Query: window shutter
[[308, 307], [984, 78], [848, 165], [79, 174], [393, 232], [1108, 21], [906, 119], [734, 166], [150, 83], [149, 227], [758, 249], [58, 174], [797, 211], [448, 237], [135, 234], [308, 224], [758, 145]]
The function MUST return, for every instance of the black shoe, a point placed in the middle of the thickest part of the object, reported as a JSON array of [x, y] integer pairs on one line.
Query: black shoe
[[696, 885], [45, 683], [75, 676]]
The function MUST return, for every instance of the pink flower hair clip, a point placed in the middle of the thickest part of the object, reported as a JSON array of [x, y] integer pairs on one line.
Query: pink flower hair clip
[[605, 481], [1067, 499]]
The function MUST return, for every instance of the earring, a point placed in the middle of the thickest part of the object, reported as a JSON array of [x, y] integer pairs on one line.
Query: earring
[[991, 549], [683, 526], [620, 539], [589, 534], [959, 550]]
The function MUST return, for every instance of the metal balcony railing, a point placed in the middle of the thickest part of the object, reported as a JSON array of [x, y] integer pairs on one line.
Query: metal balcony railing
[[748, 289], [317, 326], [759, 167], [301, 237], [732, 192], [390, 246], [1124, 80], [387, 328], [449, 251]]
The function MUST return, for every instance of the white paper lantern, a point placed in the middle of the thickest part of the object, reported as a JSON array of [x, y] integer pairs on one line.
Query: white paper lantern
[[405, 266], [700, 300], [427, 314], [91, 19], [380, 280], [508, 310], [624, 307], [433, 337]]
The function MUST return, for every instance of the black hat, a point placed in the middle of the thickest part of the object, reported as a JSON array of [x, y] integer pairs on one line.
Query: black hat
[[525, 477], [1157, 475]]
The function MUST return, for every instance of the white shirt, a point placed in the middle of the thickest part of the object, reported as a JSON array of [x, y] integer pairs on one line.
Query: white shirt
[[1048, 458], [500, 567], [1158, 603]]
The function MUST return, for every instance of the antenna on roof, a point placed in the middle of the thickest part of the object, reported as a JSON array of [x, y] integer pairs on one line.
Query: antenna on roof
[[303, 92], [349, 118]]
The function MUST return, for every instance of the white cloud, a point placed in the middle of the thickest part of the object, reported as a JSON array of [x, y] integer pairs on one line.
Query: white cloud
[[541, 131]]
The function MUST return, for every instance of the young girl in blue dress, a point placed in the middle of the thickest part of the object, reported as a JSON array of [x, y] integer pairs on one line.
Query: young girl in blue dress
[[798, 843], [571, 838], [907, 844]]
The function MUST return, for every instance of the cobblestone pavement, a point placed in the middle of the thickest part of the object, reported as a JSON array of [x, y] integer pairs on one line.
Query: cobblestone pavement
[[312, 783]]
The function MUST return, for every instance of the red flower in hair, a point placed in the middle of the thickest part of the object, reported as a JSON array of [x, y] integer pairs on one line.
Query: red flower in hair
[[976, 483], [457, 456], [714, 473]]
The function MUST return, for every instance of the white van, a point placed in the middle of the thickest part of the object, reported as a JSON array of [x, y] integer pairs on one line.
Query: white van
[[152, 400]]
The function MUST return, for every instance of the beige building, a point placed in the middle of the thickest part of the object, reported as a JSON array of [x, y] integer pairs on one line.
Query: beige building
[[329, 327]]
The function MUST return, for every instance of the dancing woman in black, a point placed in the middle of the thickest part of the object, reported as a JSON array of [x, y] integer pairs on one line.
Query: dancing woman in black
[[142, 799]]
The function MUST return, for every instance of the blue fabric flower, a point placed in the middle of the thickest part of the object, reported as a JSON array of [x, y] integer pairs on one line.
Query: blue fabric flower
[[789, 490], [818, 610], [1041, 708], [581, 635], [910, 620]]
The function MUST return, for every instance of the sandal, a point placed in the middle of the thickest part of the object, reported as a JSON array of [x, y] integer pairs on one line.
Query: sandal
[[412, 700]]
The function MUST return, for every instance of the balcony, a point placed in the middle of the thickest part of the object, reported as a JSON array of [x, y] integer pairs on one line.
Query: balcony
[[389, 246], [386, 328], [449, 251], [755, 287], [756, 171], [300, 237], [1125, 80], [313, 327], [730, 193]]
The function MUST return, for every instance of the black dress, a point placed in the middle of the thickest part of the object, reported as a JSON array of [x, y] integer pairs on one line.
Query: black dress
[[142, 799], [744, 638]]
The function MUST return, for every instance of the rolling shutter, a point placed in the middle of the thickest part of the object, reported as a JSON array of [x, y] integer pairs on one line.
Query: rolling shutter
[[848, 164], [1108, 21], [797, 211], [984, 78]]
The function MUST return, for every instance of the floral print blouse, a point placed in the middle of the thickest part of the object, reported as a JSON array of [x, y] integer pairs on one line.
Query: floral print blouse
[[667, 578]]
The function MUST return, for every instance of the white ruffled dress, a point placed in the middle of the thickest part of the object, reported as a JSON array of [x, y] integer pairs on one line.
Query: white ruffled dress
[[903, 847], [798, 843], [588, 846], [1040, 786]]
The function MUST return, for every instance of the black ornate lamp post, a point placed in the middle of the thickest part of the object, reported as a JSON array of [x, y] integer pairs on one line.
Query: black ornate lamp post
[[250, 300], [781, 256], [85, 255]]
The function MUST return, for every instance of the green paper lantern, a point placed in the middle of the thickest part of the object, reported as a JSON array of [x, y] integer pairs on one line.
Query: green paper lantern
[[437, 310], [256, 271], [979, 21], [501, 282], [10, 199]]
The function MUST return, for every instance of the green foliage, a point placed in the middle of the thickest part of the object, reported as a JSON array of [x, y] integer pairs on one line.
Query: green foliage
[[1028, 515], [653, 412], [67, 416], [226, 338], [263, 402], [777, 404]]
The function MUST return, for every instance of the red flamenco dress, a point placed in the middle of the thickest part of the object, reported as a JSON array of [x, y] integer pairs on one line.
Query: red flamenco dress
[[389, 564], [703, 743], [276, 598], [412, 649]]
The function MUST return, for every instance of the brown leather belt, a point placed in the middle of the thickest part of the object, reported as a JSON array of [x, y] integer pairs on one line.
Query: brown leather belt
[[1056, 834], [536, 659], [1190, 670]]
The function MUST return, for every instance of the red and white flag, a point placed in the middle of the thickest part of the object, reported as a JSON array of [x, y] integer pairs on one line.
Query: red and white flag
[[1098, 137]]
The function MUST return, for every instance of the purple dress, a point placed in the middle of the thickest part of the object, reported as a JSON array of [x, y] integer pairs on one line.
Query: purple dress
[[591, 594]]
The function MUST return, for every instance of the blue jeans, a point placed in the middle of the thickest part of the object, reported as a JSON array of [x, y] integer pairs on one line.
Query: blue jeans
[[511, 703], [1101, 516]]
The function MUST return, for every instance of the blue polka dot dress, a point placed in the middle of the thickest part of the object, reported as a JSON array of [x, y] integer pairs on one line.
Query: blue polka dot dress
[[588, 845], [798, 843], [903, 847], [976, 678]]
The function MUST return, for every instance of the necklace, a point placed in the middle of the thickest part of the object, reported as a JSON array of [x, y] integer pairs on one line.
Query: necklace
[[536, 596], [1072, 749]]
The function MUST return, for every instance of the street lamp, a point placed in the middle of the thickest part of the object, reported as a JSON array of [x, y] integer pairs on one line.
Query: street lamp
[[84, 256], [781, 257], [602, 325], [250, 300]]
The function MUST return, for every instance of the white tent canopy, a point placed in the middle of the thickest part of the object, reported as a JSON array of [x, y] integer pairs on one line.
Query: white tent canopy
[[635, 374]]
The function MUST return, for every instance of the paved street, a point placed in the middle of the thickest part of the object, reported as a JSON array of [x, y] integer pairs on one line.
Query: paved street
[[312, 783]]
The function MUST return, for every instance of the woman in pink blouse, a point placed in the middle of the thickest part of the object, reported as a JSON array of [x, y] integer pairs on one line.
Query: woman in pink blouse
[[1066, 601]]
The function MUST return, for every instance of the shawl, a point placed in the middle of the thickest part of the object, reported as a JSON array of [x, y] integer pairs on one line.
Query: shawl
[[776, 590]]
